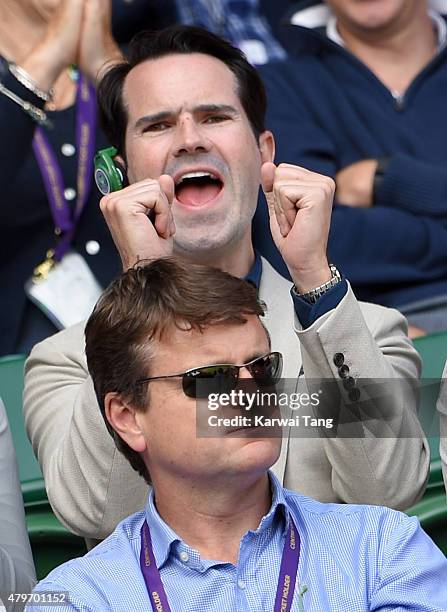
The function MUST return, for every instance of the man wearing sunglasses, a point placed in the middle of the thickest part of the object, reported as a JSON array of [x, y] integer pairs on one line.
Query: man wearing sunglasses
[[186, 115], [218, 533]]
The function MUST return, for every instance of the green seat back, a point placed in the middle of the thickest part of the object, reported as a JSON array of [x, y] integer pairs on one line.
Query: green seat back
[[432, 509], [11, 388], [51, 543], [432, 512], [433, 351]]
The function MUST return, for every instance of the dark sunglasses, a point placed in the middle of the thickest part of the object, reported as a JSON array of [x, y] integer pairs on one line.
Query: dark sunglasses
[[223, 377]]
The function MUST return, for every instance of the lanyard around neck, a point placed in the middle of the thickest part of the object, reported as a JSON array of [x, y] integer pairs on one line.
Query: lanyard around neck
[[65, 219], [286, 580]]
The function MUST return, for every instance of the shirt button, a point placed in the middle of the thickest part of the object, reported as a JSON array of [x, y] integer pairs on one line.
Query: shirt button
[[241, 584], [92, 247], [184, 556], [69, 193], [68, 149]]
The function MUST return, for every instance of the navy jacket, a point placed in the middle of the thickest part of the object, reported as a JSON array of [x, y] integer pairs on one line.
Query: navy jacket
[[328, 110]]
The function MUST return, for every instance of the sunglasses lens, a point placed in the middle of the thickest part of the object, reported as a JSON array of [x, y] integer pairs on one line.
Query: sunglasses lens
[[220, 379], [211, 379], [267, 370]]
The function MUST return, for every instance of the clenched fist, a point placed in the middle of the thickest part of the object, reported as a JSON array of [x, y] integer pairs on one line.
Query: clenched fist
[[300, 205], [140, 219]]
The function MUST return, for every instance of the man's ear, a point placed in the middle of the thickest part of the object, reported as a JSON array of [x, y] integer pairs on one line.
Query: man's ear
[[267, 146], [118, 158], [122, 417]]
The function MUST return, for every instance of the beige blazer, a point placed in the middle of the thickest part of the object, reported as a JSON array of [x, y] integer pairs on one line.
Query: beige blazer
[[91, 487]]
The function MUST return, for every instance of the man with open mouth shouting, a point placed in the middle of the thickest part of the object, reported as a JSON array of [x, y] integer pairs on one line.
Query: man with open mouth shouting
[[185, 113]]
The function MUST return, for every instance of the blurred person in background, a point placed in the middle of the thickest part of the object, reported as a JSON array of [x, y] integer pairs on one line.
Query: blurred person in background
[[132, 16], [17, 573], [251, 25], [48, 209], [362, 99], [243, 23]]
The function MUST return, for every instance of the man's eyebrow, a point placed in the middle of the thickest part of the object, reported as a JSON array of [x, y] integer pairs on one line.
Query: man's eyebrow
[[216, 108], [161, 116], [201, 108]]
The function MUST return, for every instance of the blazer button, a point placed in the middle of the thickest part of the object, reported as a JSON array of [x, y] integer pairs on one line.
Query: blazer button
[[343, 371], [339, 359], [354, 395], [349, 383]]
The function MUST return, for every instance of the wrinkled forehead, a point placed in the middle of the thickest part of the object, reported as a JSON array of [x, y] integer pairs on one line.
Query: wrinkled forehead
[[184, 347], [179, 81]]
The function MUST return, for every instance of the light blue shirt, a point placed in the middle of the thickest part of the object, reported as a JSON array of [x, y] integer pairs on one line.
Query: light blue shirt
[[353, 559]]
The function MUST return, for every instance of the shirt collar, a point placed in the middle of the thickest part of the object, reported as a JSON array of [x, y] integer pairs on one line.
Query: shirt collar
[[162, 536], [279, 510], [165, 540], [254, 276], [439, 25]]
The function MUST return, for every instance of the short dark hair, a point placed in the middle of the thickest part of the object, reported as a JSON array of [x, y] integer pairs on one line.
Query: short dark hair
[[142, 305], [169, 41]]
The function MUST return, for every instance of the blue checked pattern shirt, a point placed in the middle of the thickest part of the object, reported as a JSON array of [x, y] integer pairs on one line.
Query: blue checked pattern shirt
[[238, 21], [353, 559]]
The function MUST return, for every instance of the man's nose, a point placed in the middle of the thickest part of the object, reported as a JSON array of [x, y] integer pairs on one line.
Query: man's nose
[[190, 138], [244, 373]]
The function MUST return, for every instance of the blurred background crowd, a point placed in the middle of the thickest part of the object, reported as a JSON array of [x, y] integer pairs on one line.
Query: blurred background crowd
[[359, 102]]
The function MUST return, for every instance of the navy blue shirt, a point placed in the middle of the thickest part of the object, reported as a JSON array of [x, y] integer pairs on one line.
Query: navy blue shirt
[[327, 110]]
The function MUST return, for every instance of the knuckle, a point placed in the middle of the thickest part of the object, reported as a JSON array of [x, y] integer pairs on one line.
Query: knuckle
[[281, 188], [323, 189], [104, 203], [327, 188], [330, 183]]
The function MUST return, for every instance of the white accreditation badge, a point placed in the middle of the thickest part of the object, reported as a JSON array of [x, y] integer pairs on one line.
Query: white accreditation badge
[[65, 291]]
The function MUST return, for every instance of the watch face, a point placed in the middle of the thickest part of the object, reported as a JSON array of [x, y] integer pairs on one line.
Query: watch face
[[102, 181]]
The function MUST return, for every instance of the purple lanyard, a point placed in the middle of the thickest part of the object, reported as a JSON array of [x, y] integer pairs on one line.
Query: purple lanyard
[[65, 221], [286, 580]]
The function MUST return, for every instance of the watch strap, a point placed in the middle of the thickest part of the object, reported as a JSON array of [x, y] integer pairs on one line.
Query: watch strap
[[314, 294]]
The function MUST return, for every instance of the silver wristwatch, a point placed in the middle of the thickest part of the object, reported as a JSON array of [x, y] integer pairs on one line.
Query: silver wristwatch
[[313, 295]]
